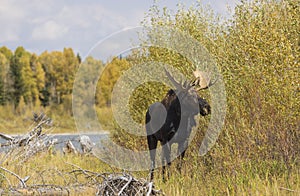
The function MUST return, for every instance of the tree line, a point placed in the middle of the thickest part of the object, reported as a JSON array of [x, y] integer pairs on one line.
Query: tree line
[[36, 80], [28, 79]]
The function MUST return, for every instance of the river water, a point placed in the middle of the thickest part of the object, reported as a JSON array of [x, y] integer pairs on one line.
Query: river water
[[63, 138]]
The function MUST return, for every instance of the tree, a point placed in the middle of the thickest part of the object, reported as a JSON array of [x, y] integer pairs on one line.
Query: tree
[[29, 88], [110, 75], [87, 79], [16, 74], [4, 68], [60, 69], [39, 77], [22, 76], [6, 52]]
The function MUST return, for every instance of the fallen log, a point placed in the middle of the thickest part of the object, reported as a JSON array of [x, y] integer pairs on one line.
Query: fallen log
[[7, 137], [69, 148], [86, 144]]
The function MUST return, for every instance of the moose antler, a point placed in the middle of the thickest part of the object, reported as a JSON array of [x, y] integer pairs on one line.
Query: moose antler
[[174, 82], [184, 86], [203, 80]]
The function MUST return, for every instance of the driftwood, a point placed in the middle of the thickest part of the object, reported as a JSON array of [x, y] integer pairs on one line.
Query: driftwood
[[121, 184], [28, 145], [22, 181], [86, 144], [78, 181], [69, 148], [6, 137], [37, 140], [125, 184]]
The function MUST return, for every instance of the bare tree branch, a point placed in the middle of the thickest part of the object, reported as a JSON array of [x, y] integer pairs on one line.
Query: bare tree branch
[[14, 174]]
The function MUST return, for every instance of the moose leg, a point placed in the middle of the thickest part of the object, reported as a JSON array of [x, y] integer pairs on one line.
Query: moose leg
[[181, 152], [183, 144], [166, 156], [152, 144]]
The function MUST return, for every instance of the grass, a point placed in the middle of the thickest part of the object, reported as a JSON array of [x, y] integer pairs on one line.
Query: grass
[[217, 184], [210, 175], [195, 179], [18, 123]]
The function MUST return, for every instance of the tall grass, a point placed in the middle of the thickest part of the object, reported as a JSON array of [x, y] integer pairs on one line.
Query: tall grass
[[196, 178]]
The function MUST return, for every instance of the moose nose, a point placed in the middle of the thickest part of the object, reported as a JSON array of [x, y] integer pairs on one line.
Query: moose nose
[[208, 109]]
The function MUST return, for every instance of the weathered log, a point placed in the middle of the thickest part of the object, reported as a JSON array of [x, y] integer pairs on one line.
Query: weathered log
[[69, 148], [86, 144], [25, 146]]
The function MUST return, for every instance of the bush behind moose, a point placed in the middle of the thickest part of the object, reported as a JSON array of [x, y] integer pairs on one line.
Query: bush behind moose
[[259, 61]]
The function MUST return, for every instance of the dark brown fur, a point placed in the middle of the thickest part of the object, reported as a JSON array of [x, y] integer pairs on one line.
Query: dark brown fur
[[171, 121]]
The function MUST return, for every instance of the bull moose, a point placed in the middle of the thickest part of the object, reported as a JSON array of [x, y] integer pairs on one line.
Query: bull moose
[[171, 120]]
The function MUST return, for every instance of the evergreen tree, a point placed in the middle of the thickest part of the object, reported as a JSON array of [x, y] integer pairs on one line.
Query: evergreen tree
[[16, 75]]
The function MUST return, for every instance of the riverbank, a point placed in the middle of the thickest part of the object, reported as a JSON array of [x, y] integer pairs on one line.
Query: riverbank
[[60, 140]]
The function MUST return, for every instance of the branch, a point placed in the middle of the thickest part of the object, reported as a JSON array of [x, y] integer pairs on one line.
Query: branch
[[150, 189], [123, 188], [6, 137], [17, 176], [287, 189]]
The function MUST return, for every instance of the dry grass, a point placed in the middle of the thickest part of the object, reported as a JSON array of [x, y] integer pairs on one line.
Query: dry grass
[[195, 179]]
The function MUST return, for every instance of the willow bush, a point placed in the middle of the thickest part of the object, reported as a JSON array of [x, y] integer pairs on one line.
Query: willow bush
[[257, 52], [261, 69]]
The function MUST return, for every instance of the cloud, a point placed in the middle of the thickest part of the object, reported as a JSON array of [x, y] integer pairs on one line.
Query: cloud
[[8, 35], [49, 31], [10, 17], [78, 25], [53, 25]]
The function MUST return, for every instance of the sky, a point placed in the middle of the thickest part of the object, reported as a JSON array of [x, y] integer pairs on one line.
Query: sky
[[40, 25]]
